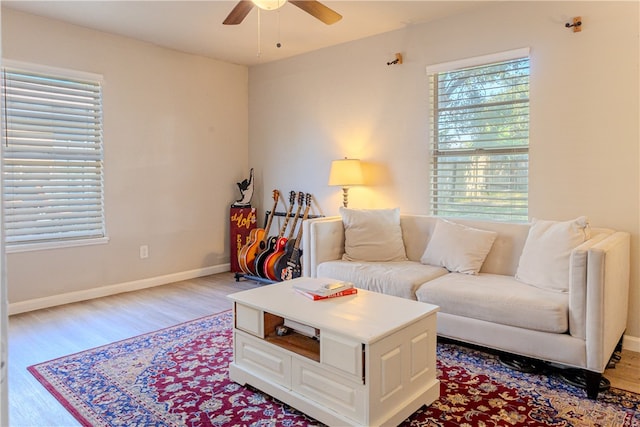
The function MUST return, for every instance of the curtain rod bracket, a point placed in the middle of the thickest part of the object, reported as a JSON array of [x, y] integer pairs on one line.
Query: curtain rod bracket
[[577, 24], [398, 60]]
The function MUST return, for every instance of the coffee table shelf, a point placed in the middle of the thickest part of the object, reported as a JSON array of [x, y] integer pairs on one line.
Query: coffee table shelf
[[297, 343]]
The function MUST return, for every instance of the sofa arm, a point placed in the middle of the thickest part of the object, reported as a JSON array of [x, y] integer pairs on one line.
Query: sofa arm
[[578, 285], [323, 241], [607, 297]]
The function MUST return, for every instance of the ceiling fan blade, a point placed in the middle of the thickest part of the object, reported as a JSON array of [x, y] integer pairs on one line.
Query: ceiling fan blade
[[237, 15], [318, 10]]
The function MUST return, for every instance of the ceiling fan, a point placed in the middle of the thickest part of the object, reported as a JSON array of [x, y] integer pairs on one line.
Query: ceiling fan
[[312, 7]]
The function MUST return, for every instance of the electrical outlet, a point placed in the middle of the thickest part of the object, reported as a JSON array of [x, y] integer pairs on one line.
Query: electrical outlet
[[144, 252]]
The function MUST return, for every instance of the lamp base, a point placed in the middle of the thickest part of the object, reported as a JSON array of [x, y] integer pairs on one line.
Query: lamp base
[[345, 196]]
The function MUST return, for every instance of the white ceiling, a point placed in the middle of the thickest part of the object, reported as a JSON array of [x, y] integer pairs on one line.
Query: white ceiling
[[196, 26]]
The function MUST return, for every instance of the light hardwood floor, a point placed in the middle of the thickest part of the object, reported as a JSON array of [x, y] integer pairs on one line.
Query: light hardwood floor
[[43, 335]]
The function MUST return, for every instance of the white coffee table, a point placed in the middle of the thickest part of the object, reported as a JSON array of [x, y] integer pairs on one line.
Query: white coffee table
[[371, 362]]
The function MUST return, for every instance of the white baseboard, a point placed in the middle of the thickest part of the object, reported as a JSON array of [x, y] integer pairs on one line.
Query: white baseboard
[[54, 300], [631, 343]]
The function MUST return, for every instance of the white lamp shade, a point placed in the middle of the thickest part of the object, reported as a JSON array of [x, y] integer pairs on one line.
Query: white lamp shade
[[346, 172]]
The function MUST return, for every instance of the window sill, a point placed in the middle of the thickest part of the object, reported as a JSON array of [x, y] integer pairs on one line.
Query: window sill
[[28, 247]]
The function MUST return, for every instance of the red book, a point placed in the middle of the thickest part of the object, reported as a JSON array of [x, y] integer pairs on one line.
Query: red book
[[315, 297]]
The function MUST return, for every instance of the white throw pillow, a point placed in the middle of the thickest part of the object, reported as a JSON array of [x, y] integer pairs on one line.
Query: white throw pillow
[[372, 235], [544, 261], [458, 248]]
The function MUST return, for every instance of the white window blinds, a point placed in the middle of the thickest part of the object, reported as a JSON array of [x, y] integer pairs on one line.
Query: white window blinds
[[52, 157], [480, 141]]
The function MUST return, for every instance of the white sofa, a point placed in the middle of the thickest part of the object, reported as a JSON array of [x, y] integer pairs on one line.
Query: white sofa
[[578, 328]]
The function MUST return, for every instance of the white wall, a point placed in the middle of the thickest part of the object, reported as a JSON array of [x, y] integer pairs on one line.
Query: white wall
[[345, 101], [175, 143]]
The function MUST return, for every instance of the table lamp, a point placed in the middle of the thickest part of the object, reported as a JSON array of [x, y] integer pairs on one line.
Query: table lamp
[[345, 173]]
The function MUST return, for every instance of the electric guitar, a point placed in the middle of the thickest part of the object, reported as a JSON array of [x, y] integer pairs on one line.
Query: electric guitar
[[289, 265], [269, 265], [269, 244], [257, 238]]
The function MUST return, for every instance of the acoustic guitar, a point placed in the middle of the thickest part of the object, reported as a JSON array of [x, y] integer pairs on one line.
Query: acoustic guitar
[[289, 264], [269, 265], [256, 243], [252, 244], [248, 251]]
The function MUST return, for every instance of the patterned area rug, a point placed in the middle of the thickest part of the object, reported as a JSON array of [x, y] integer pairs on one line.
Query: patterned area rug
[[178, 377]]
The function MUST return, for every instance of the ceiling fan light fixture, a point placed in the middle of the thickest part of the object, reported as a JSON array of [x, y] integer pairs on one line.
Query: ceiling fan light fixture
[[269, 4], [312, 7]]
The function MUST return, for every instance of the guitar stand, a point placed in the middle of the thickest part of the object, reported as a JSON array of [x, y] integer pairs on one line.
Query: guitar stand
[[258, 279], [262, 280], [292, 215]]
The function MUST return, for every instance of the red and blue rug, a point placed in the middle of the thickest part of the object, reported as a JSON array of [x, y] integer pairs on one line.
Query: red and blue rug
[[178, 377]]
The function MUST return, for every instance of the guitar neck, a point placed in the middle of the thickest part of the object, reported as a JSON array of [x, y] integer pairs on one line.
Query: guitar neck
[[304, 218], [295, 223], [269, 221], [295, 219], [299, 236], [286, 222]]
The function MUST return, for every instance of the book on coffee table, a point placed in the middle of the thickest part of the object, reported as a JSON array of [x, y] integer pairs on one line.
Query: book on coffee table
[[322, 287], [316, 297]]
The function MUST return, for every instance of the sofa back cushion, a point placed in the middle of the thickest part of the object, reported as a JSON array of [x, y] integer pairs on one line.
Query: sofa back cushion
[[457, 247], [372, 235], [502, 258], [545, 259]]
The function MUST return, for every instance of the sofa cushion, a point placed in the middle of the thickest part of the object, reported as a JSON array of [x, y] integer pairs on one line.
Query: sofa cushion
[[544, 261], [398, 278], [498, 299], [372, 235], [458, 248]]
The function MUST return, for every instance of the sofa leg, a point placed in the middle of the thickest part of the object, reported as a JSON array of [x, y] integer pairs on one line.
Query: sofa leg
[[616, 356], [618, 348], [592, 384]]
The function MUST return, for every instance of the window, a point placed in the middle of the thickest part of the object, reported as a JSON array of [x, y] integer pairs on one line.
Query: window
[[480, 137], [52, 157]]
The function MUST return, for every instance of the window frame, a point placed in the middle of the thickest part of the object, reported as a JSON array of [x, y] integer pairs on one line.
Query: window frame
[[473, 153], [62, 74]]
